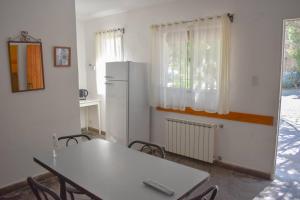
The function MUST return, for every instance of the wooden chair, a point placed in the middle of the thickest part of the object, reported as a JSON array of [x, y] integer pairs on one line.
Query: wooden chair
[[75, 138], [209, 194], [41, 192], [149, 148]]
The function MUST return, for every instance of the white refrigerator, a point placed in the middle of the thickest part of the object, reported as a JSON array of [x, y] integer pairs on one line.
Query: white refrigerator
[[127, 108]]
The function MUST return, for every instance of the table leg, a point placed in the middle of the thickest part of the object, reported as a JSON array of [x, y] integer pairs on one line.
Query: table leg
[[63, 192], [87, 119], [99, 117]]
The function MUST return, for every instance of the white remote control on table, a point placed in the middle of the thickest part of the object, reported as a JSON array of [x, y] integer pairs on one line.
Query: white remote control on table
[[159, 187]]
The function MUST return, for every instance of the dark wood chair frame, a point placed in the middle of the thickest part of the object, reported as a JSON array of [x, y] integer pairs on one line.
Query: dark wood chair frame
[[211, 192], [71, 190], [41, 192], [74, 138], [150, 147]]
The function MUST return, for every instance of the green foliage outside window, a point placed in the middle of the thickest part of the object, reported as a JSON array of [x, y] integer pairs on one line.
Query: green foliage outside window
[[293, 37], [291, 68], [182, 73], [179, 67]]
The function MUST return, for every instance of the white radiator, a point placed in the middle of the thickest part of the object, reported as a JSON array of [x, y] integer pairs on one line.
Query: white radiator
[[190, 139]]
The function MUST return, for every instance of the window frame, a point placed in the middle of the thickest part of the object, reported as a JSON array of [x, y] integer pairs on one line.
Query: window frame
[[189, 85]]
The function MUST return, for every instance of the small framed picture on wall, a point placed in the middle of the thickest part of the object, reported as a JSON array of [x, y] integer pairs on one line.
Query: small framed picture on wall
[[62, 56]]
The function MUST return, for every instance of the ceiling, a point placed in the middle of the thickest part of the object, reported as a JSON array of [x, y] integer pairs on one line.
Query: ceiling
[[88, 9]]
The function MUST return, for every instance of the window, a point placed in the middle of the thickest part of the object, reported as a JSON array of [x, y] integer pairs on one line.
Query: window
[[179, 61], [109, 48], [190, 65]]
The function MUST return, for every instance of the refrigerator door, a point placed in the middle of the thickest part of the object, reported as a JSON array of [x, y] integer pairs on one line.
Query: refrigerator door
[[139, 110], [117, 71], [117, 111]]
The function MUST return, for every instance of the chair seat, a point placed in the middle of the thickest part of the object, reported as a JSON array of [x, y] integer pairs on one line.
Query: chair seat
[[11, 197]]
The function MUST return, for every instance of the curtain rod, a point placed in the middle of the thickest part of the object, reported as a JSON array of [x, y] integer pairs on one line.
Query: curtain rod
[[229, 15], [113, 30]]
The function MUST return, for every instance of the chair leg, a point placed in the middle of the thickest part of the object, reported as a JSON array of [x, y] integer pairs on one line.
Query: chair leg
[[71, 195]]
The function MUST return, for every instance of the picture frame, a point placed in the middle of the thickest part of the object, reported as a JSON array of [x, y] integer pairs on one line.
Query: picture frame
[[62, 56]]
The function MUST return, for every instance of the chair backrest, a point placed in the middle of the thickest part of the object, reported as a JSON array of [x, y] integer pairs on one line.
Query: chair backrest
[[209, 194], [41, 192], [149, 148], [73, 138]]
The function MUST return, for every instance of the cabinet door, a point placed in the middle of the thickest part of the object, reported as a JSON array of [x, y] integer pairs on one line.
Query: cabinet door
[[117, 111], [117, 71]]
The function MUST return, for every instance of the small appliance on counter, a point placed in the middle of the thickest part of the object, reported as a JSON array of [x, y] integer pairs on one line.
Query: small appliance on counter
[[83, 93]]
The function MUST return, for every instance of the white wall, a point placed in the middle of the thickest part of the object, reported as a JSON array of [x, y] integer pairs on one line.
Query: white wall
[[82, 64], [256, 55], [81, 49], [28, 119], [83, 69]]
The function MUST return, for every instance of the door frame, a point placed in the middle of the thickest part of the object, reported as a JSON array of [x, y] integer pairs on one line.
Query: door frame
[[283, 35]]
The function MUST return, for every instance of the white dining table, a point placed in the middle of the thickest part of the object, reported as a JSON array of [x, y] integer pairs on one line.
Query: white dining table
[[109, 171]]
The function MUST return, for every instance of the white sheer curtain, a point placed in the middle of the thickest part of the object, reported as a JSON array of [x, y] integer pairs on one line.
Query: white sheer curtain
[[190, 65], [169, 66], [109, 48]]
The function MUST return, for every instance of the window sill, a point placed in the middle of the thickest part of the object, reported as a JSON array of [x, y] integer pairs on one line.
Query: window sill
[[234, 116]]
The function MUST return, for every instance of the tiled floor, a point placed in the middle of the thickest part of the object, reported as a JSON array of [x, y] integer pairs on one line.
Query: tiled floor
[[287, 182], [232, 185], [237, 186]]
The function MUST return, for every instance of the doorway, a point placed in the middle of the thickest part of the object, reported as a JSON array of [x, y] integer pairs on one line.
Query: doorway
[[287, 172]]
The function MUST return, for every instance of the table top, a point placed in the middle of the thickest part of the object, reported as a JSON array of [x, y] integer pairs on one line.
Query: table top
[[113, 172], [89, 102]]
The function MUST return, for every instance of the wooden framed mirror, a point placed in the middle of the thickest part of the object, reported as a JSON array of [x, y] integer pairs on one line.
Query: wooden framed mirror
[[26, 63]]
